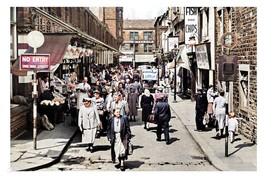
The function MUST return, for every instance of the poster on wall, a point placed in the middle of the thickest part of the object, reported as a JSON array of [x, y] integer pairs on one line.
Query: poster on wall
[[191, 23], [173, 40], [202, 56]]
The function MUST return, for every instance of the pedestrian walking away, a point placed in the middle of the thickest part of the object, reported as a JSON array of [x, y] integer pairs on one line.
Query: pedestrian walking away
[[219, 112], [162, 113], [119, 134], [132, 100], [88, 122]]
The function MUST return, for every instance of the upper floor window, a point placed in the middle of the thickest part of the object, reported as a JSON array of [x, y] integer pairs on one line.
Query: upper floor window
[[148, 36], [134, 36]]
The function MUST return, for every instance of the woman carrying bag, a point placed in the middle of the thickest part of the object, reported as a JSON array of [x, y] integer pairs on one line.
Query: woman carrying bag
[[147, 102]]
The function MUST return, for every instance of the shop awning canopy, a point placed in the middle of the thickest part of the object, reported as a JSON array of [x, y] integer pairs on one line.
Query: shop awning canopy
[[54, 44]]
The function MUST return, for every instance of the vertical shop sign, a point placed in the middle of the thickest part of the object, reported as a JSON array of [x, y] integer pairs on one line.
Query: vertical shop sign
[[191, 23]]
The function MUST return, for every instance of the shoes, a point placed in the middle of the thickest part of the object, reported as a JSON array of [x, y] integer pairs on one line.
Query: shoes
[[118, 165], [122, 168], [218, 136], [90, 149], [168, 142], [158, 139], [145, 127]]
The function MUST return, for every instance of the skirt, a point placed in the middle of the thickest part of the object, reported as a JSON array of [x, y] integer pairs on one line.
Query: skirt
[[88, 135], [118, 146]]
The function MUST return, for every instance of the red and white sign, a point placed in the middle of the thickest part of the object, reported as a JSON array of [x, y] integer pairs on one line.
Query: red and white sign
[[35, 62]]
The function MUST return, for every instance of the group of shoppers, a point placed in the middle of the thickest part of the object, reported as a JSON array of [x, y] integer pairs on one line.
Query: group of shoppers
[[212, 104]]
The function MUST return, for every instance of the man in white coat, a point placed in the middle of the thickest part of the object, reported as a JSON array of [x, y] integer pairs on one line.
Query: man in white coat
[[88, 122], [82, 89]]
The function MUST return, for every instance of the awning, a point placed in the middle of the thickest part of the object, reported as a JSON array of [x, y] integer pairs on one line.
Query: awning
[[54, 44], [184, 59]]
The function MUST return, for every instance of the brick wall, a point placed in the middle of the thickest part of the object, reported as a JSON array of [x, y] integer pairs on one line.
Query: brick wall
[[244, 25]]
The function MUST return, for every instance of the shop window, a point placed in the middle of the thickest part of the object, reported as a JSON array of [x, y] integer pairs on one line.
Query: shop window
[[243, 86]]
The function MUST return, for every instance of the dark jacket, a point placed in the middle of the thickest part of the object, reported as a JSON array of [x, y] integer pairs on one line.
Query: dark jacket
[[162, 111], [125, 134], [201, 103]]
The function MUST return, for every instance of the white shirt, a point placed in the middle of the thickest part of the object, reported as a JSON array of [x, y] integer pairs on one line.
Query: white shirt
[[232, 124]]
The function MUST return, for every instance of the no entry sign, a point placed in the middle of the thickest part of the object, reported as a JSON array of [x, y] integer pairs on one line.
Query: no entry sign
[[35, 62]]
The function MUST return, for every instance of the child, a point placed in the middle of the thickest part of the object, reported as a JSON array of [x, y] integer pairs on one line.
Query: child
[[232, 126]]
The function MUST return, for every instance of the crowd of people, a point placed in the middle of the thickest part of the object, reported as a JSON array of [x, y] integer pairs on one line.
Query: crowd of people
[[107, 103]]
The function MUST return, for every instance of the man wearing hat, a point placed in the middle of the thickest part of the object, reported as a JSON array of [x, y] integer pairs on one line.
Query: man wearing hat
[[160, 93], [88, 122]]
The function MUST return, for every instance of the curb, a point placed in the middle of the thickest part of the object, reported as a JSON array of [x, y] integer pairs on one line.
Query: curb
[[57, 160], [207, 150]]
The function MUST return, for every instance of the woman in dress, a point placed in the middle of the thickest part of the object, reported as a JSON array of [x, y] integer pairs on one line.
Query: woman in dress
[[132, 100], [119, 134], [88, 122], [147, 102]]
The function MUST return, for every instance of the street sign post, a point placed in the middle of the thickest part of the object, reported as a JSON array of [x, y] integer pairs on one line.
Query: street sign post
[[35, 40], [227, 73]]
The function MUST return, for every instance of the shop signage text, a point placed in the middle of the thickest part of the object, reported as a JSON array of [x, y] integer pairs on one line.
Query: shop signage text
[[191, 23], [35, 62]]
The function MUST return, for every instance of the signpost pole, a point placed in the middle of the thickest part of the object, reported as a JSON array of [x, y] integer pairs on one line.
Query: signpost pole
[[35, 107]]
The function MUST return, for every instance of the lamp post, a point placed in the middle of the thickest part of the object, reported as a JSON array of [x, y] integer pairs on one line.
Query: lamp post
[[174, 51]]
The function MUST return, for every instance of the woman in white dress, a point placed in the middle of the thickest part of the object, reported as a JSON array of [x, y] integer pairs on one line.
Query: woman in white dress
[[88, 122]]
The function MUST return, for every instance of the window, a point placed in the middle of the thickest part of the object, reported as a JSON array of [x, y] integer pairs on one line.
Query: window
[[134, 36], [148, 36], [147, 47], [243, 85], [134, 47]]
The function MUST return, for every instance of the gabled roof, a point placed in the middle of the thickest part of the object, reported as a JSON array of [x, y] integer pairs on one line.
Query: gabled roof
[[138, 24]]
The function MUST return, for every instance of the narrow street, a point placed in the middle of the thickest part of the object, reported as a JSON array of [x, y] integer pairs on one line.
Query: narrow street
[[182, 154]]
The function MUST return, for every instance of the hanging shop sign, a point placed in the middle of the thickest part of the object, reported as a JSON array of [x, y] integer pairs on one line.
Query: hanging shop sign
[[228, 40], [203, 56], [191, 23], [35, 62]]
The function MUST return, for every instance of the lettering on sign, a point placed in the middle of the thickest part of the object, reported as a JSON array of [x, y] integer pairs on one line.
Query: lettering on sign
[[35, 61], [191, 23]]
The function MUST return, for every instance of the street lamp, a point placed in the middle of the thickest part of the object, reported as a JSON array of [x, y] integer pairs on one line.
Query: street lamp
[[175, 51]]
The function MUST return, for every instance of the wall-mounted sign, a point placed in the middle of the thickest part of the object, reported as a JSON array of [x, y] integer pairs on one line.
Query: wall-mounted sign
[[203, 56], [191, 23], [227, 68], [173, 40], [35, 62], [229, 40]]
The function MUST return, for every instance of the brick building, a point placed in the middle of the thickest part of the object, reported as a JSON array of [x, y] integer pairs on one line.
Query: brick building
[[138, 45], [67, 30], [241, 21]]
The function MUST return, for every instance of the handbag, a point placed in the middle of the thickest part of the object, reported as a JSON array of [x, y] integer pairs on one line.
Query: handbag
[[130, 148], [151, 118]]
